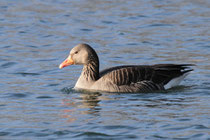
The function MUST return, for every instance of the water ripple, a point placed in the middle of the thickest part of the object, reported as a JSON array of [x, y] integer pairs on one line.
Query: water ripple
[[8, 64], [37, 100], [44, 97], [27, 73]]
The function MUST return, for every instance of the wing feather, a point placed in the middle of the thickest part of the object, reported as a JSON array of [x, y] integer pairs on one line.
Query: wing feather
[[145, 76]]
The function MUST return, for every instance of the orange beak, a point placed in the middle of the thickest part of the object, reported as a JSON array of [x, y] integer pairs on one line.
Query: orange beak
[[66, 62]]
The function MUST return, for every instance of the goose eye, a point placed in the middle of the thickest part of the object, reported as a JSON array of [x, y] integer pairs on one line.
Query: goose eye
[[76, 52]]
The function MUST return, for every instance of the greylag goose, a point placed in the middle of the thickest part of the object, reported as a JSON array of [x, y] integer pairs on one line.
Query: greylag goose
[[129, 78]]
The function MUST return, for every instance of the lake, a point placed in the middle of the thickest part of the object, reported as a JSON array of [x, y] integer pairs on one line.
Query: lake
[[37, 99]]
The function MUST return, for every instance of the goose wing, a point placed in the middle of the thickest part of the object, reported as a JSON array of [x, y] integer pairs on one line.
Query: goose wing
[[159, 74]]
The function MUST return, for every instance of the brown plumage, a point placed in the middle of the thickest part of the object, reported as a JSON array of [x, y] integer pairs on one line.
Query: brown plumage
[[130, 78]]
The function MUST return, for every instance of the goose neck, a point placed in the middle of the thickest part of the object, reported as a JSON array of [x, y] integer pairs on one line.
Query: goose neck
[[91, 71]]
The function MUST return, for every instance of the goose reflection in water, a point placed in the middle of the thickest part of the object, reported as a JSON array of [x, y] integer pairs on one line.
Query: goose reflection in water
[[86, 103]]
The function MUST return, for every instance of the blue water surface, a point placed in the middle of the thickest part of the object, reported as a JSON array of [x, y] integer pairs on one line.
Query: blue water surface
[[37, 100]]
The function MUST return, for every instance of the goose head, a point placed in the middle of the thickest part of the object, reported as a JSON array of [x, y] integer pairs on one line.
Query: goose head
[[81, 54]]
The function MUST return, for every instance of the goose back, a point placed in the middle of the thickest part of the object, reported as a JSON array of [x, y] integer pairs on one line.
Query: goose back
[[159, 74]]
